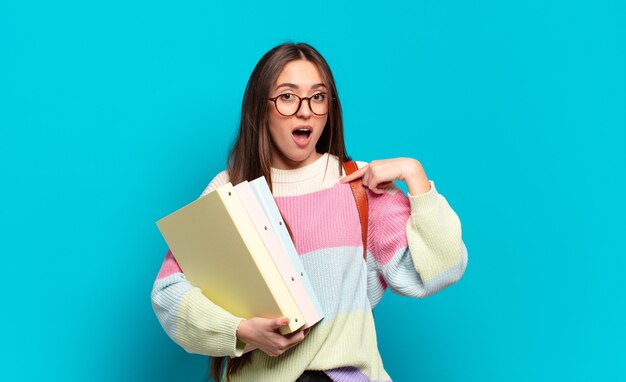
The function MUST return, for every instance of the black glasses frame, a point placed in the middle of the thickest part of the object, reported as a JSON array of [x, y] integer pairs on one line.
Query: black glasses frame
[[274, 99]]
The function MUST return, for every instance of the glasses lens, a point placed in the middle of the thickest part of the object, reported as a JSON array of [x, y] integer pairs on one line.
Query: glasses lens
[[287, 104], [319, 103]]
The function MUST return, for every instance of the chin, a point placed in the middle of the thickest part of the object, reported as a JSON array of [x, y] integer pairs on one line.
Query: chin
[[299, 158]]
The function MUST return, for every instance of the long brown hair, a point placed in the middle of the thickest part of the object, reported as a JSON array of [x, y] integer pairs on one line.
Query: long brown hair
[[251, 154]]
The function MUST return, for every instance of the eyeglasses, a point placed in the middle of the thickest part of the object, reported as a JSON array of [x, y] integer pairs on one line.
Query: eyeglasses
[[288, 104]]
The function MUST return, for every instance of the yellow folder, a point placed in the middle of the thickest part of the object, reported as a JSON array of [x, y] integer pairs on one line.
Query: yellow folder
[[219, 250]]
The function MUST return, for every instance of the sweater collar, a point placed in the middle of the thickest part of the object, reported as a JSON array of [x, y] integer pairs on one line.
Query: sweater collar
[[307, 172]]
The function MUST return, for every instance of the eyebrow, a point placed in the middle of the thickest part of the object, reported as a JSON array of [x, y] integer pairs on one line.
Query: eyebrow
[[294, 86]]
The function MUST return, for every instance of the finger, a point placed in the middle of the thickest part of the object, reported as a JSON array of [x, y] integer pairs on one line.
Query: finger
[[294, 334], [279, 322], [295, 338], [381, 187], [355, 175], [292, 338], [376, 190], [280, 346]]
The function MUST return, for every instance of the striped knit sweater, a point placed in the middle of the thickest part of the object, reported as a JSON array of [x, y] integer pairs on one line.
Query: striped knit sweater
[[414, 248]]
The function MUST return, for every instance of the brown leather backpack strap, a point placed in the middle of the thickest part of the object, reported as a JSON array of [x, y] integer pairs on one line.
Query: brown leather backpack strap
[[360, 196]]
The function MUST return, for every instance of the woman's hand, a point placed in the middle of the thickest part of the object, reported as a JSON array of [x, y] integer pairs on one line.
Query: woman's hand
[[263, 334], [380, 173]]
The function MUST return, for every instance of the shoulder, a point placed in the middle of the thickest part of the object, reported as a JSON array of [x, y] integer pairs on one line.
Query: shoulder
[[359, 164], [218, 180]]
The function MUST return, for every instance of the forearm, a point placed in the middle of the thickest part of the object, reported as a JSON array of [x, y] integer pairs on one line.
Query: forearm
[[416, 180], [434, 240], [192, 320], [417, 246]]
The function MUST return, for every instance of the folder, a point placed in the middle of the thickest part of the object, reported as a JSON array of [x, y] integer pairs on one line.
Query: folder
[[219, 250], [266, 200], [283, 262]]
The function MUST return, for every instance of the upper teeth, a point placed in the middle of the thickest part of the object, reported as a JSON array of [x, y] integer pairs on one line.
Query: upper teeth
[[303, 130]]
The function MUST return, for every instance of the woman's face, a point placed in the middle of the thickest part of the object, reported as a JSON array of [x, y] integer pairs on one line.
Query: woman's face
[[294, 137]]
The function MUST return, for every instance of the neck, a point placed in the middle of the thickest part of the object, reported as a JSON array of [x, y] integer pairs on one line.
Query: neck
[[281, 162]]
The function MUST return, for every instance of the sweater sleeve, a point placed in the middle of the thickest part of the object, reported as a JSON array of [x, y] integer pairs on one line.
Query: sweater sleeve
[[415, 247], [187, 316]]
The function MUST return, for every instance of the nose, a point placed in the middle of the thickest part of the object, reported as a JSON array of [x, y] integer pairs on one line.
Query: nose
[[305, 109]]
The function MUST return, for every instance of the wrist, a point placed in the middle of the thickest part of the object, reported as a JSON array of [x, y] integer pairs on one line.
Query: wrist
[[415, 178], [242, 330], [418, 187]]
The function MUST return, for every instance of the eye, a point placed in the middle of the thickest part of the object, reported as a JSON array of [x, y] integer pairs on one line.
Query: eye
[[287, 97], [319, 97]]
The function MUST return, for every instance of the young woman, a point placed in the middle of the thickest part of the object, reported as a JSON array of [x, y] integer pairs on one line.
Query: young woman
[[291, 132]]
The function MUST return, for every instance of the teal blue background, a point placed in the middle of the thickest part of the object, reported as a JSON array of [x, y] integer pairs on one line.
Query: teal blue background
[[113, 114]]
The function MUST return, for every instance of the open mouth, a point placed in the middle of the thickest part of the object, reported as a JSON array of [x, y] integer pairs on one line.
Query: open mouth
[[302, 134]]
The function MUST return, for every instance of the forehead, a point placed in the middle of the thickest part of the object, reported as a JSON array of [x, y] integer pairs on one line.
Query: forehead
[[300, 72]]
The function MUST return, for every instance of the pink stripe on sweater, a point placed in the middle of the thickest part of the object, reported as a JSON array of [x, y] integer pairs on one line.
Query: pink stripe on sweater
[[169, 266], [388, 215], [323, 219]]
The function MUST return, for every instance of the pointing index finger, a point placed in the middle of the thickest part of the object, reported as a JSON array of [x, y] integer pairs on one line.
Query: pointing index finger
[[355, 175]]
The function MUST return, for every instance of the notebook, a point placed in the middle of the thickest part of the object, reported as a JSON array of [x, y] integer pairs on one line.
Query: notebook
[[220, 251]]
